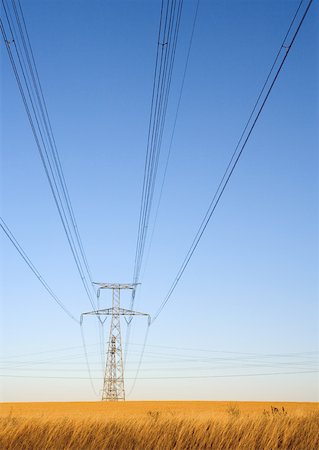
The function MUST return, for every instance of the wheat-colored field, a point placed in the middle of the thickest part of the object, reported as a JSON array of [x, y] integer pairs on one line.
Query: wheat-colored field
[[159, 426]]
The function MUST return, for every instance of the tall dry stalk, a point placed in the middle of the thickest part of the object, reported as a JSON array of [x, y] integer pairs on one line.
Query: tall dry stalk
[[162, 431]]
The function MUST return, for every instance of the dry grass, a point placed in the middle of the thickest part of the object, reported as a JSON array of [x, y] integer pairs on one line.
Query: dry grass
[[159, 426]]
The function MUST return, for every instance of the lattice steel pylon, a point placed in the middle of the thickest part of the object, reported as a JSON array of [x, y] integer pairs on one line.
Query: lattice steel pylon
[[113, 386]]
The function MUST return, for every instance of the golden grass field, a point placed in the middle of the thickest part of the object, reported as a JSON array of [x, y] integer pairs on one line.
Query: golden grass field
[[159, 426]]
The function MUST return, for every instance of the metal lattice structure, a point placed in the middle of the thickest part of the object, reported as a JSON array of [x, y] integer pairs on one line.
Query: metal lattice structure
[[113, 386]]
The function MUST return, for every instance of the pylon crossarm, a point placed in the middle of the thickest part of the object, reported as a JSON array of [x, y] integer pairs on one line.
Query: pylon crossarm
[[129, 312], [110, 311], [99, 312], [116, 285]]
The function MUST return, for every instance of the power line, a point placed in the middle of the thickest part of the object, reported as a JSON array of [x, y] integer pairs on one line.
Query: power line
[[177, 358], [173, 132], [48, 168], [171, 377], [140, 360], [234, 160], [34, 102], [170, 18], [305, 354], [167, 362], [87, 360], [188, 349], [166, 49], [196, 368], [54, 146], [25, 257]]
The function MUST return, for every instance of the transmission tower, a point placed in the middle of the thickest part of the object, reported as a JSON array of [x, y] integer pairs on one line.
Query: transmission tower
[[113, 386]]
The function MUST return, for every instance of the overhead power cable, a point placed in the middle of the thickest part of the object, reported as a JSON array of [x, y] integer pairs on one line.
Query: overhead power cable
[[172, 360], [240, 375], [172, 134], [262, 99], [157, 370], [160, 196], [27, 77], [300, 354], [165, 368], [87, 359], [170, 18], [53, 143], [140, 360], [25, 257]]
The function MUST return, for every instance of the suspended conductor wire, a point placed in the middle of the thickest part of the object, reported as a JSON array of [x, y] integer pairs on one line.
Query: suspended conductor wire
[[50, 133], [47, 124], [101, 333], [161, 84], [149, 127], [25, 257], [170, 19], [87, 357], [166, 165], [161, 125], [17, 43], [52, 182], [43, 152], [231, 166], [158, 133], [236, 375], [141, 357], [161, 48], [172, 135]]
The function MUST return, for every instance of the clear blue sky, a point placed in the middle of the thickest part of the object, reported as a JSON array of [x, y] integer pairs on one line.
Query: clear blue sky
[[252, 285]]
